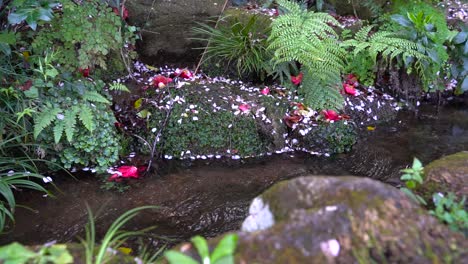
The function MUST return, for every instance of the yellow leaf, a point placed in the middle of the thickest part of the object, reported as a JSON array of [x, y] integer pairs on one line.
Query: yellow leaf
[[26, 55], [151, 68], [125, 250], [138, 103], [370, 128]]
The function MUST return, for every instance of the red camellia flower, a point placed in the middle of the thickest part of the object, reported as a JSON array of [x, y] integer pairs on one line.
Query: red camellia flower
[[296, 80], [124, 12], [349, 89], [185, 74], [331, 115], [161, 81], [127, 172], [84, 72]]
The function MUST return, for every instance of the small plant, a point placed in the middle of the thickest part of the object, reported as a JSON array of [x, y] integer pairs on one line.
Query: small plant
[[451, 212], [19, 254], [413, 177], [241, 42], [113, 239], [419, 28], [223, 252]]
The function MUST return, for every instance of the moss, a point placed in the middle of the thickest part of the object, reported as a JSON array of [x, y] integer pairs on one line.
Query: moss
[[448, 174]]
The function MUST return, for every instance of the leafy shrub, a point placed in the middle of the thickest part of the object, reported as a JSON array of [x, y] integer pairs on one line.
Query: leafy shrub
[[458, 49], [85, 36], [92, 140], [238, 40], [419, 28], [390, 46], [31, 11]]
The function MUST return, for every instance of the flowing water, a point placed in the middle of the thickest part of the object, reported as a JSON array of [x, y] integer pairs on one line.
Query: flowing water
[[209, 198]]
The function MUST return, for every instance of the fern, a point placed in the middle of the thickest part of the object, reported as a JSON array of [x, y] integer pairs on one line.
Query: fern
[[44, 119], [94, 96], [391, 47], [58, 130], [86, 117], [321, 95], [118, 87], [309, 38], [70, 121]]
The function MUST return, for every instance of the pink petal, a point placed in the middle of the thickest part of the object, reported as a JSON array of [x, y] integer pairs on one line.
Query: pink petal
[[244, 107], [265, 91]]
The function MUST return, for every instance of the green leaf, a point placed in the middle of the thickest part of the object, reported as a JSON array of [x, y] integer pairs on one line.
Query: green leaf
[[8, 38], [225, 247], [32, 93], [70, 121], [44, 119], [58, 130], [175, 257], [86, 117], [202, 247], [15, 253], [94, 96], [16, 18], [59, 254]]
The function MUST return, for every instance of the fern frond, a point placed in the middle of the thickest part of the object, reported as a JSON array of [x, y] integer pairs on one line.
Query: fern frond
[[96, 97], [322, 94], [86, 117], [44, 119], [309, 38], [70, 121], [118, 87], [58, 130]]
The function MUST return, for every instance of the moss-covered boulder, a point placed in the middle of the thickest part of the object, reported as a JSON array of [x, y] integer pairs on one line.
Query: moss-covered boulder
[[319, 219], [448, 174]]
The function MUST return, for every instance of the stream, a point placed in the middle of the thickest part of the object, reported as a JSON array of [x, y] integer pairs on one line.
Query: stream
[[208, 197]]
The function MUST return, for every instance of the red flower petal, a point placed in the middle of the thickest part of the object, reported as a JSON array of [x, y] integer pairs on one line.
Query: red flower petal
[[296, 80], [349, 89], [244, 107], [265, 91], [161, 81], [185, 74], [84, 72], [331, 115], [129, 171]]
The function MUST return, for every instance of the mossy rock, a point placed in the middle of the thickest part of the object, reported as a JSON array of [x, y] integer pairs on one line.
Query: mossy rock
[[320, 219], [448, 174], [166, 28], [363, 9]]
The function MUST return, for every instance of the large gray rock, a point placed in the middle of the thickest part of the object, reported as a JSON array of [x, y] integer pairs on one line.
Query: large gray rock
[[166, 27], [348, 219]]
